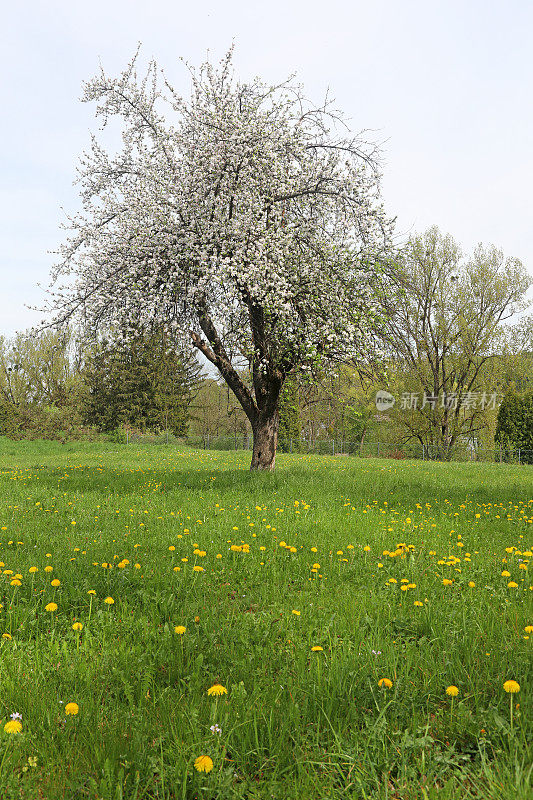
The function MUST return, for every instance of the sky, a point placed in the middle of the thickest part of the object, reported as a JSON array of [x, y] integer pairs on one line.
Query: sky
[[444, 85]]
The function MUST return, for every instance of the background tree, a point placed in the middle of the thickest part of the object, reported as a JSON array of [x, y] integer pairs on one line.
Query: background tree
[[145, 382], [444, 330], [39, 370], [40, 385], [515, 424], [251, 221], [289, 413]]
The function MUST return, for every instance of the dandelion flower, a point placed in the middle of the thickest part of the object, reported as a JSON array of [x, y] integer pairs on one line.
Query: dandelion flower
[[109, 601], [15, 582], [33, 569], [386, 682], [91, 591], [77, 626], [198, 569], [512, 585], [13, 726], [216, 690], [71, 709], [55, 582], [471, 584], [6, 636], [51, 607], [512, 687], [452, 691], [529, 629], [203, 764], [446, 582], [297, 613], [180, 629], [316, 648]]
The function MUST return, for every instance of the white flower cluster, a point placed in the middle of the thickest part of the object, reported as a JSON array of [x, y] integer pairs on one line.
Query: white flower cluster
[[247, 222]]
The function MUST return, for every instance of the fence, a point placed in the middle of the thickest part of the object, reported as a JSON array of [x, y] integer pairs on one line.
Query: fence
[[341, 447]]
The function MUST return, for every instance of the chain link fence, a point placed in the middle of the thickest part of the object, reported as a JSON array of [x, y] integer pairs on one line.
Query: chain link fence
[[341, 447]]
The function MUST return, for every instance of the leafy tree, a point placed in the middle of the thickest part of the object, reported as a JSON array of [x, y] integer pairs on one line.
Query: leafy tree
[[289, 412], [216, 411], [145, 382], [40, 370], [515, 423], [443, 329], [250, 221]]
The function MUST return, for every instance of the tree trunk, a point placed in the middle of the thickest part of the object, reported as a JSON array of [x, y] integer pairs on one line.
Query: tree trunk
[[265, 431]]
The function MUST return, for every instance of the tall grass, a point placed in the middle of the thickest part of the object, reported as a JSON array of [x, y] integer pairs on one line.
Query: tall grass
[[125, 522]]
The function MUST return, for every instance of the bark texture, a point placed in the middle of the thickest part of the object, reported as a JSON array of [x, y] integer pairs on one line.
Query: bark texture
[[265, 433]]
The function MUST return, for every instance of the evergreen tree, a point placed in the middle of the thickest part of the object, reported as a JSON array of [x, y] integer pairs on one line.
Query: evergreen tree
[[147, 383], [289, 413], [515, 424]]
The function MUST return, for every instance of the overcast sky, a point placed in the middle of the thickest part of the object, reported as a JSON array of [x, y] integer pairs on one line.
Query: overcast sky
[[445, 85]]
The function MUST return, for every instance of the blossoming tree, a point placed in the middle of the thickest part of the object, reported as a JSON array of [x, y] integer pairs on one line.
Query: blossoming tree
[[250, 221]]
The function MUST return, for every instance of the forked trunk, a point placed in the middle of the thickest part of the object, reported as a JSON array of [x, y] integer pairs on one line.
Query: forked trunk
[[265, 433]]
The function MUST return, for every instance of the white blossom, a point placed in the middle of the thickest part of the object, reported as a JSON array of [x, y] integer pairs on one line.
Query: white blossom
[[245, 218]]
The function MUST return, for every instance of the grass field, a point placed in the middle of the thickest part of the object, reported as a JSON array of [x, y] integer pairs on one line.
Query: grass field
[[297, 592]]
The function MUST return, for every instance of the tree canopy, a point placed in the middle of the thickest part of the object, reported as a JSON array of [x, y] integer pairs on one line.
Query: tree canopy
[[249, 220]]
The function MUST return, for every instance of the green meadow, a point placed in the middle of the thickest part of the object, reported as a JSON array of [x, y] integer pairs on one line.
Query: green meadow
[[173, 626]]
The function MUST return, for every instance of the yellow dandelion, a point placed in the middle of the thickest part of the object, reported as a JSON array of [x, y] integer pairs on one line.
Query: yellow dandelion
[[91, 591], [77, 626], [452, 691], [55, 582], [15, 582], [71, 709], [386, 682], [13, 726], [203, 764], [198, 569], [217, 690], [180, 629], [6, 636], [51, 607], [109, 601], [316, 649], [297, 613], [512, 687]]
